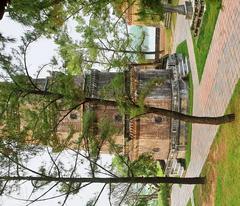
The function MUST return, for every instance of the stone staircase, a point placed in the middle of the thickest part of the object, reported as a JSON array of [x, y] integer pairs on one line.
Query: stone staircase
[[174, 168], [183, 66]]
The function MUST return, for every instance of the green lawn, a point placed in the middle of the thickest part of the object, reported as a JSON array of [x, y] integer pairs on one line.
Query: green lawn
[[182, 48], [222, 168], [174, 15], [168, 40], [202, 43], [164, 192], [189, 203], [189, 126]]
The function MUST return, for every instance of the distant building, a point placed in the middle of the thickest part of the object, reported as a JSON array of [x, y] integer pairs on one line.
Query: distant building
[[131, 10], [131, 15]]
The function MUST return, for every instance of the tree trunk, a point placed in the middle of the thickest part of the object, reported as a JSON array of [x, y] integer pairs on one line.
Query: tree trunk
[[172, 114], [168, 113], [130, 51], [192, 119], [3, 4], [147, 180], [42, 93]]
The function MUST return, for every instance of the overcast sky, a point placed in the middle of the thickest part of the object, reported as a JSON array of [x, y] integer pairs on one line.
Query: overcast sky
[[40, 53]]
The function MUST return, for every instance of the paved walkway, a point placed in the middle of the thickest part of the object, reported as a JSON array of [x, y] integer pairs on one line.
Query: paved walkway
[[212, 95]]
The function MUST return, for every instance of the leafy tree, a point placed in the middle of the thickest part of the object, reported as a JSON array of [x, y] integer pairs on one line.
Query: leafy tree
[[108, 47], [152, 180], [32, 108], [49, 16], [31, 111], [105, 39], [145, 165], [37, 104], [151, 10]]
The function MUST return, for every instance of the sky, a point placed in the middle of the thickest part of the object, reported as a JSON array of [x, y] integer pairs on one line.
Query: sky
[[41, 53], [80, 199]]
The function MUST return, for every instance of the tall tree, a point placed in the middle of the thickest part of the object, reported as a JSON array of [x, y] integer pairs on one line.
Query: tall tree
[[56, 174], [151, 180]]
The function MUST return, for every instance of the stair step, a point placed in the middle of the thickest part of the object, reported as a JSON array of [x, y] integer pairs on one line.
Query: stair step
[[181, 172]]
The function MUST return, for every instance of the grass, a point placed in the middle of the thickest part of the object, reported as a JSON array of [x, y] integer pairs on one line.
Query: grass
[[168, 35], [189, 203], [164, 193], [174, 15], [189, 126], [182, 48], [169, 32], [203, 42], [222, 167]]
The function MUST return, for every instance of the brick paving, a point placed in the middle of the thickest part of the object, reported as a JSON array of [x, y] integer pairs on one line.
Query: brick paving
[[213, 93]]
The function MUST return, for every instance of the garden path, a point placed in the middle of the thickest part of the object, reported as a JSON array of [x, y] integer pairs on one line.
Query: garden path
[[213, 93]]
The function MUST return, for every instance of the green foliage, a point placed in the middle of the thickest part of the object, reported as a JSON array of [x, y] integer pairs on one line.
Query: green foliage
[[151, 10], [89, 117], [189, 203], [182, 48], [4, 40], [46, 16], [145, 91], [116, 89], [148, 87], [104, 128], [165, 190], [107, 129], [74, 187], [67, 85], [142, 202], [104, 38], [222, 165], [31, 107], [203, 42], [72, 58], [145, 165]]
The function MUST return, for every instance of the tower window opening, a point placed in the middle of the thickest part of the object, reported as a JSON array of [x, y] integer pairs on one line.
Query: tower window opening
[[73, 116], [118, 118], [158, 120]]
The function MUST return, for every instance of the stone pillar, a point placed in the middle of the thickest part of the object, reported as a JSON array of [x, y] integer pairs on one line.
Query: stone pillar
[[186, 9]]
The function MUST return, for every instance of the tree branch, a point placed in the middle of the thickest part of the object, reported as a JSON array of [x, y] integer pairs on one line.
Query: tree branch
[[99, 194]]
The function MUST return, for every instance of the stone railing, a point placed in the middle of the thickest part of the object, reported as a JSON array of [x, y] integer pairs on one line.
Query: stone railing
[[172, 166]]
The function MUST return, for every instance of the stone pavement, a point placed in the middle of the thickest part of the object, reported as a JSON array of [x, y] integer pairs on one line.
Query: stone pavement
[[213, 93]]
